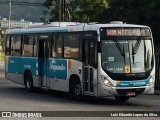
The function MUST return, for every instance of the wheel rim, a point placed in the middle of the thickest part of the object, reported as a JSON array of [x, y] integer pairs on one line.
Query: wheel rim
[[77, 89]]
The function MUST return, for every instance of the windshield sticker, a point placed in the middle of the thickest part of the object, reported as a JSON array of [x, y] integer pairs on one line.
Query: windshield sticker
[[127, 69], [137, 66], [114, 69], [111, 59]]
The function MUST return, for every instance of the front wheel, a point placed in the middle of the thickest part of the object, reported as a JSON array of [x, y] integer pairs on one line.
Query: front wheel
[[76, 90], [121, 98]]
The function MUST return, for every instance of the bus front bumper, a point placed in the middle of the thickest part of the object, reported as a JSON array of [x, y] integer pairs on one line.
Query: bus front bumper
[[105, 91]]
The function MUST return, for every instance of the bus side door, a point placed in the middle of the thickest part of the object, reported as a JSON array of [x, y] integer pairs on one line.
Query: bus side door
[[90, 60], [43, 56]]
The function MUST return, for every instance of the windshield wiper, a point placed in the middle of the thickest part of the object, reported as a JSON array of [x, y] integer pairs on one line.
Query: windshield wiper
[[120, 49], [135, 48]]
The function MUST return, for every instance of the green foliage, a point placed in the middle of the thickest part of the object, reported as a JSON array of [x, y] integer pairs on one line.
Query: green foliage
[[1, 56], [52, 7], [76, 10], [89, 10]]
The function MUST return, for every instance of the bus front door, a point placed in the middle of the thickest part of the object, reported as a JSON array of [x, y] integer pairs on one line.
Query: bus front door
[[43, 56], [89, 58]]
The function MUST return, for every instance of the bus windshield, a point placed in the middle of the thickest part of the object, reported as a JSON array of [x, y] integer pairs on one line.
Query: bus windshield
[[127, 56]]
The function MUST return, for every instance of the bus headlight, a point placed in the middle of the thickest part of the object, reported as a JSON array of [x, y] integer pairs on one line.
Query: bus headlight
[[106, 81], [151, 81]]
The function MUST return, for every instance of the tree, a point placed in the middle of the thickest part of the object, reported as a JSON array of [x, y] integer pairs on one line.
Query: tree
[[52, 7], [76, 10], [89, 10], [59, 10]]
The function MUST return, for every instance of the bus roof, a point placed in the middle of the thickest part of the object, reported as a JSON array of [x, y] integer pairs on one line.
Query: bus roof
[[67, 27]]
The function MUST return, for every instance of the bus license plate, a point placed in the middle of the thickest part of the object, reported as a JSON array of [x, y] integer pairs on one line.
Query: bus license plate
[[130, 94]]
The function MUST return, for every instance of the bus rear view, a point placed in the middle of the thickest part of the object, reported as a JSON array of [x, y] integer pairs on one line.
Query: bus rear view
[[126, 62]]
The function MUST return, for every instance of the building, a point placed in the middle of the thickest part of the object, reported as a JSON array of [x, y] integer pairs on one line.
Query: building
[[4, 23]]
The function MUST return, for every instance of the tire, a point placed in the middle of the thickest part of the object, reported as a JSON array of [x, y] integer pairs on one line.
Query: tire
[[121, 98], [28, 81], [76, 90]]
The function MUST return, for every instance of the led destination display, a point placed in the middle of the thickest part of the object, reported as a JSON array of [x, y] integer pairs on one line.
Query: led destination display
[[125, 32]]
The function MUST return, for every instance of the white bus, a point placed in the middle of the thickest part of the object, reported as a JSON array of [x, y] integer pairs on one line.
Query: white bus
[[101, 60]]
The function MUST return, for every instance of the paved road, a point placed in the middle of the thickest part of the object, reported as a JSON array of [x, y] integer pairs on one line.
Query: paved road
[[14, 97]]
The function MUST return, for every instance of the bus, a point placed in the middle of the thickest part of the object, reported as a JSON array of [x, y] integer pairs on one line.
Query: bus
[[84, 59]]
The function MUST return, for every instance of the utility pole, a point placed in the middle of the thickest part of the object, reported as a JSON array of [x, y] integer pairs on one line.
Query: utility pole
[[62, 9], [10, 10], [60, 5]]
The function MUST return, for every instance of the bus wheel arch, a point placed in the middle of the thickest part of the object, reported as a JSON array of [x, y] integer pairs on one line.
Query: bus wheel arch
[[28, 80], [75, 88]]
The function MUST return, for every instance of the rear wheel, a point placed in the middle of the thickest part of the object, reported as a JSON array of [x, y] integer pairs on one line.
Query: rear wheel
[[76, 90], [122, 98], [28, 81]]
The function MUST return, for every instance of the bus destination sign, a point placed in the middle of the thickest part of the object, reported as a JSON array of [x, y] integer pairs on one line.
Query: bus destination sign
[[125, 31]]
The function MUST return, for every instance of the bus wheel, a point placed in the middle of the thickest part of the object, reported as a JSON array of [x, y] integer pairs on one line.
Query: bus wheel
[[122, 98], [76, 90], [28, 81]]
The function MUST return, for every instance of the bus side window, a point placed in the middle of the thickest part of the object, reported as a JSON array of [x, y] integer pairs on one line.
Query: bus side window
[[35, 46], [16, 45], [27, 46], [71, 46], [53, 46], [7, 50], [59, 50], [93, 54]]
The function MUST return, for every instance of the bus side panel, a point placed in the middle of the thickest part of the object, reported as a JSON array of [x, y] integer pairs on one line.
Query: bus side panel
[[57, 74], [31, 64], [13, 69], [75, 68]]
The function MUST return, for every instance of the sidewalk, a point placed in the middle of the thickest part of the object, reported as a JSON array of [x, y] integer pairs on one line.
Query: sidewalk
[[2, 65], [2, 70]]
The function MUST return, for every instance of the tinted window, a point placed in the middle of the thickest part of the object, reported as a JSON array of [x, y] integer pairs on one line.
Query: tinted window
[[71, 46], [15, 45], [59, 50], [35, 46], [7, 46], [53, 53], [27, 45]]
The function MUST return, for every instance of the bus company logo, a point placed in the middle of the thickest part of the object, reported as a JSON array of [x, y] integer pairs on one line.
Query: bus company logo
[[55, 67]]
